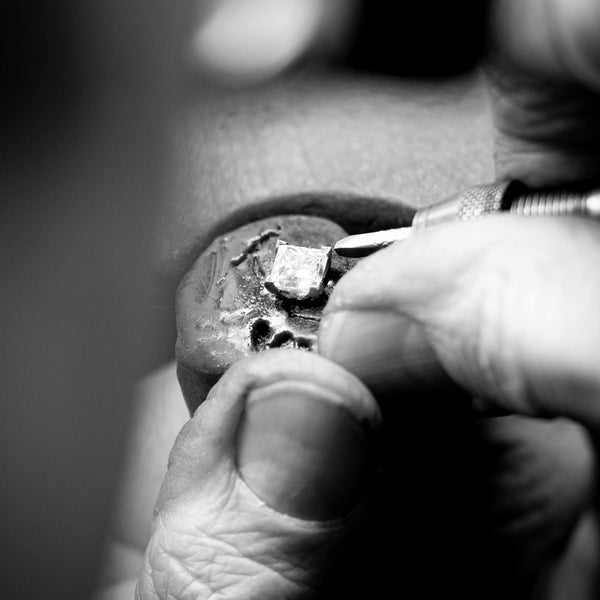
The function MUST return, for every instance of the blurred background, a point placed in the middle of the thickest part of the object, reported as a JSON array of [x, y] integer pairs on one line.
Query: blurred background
[[241, 41]]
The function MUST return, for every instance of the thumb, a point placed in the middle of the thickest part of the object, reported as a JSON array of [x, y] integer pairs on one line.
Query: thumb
[[505, 307], [264, 482]]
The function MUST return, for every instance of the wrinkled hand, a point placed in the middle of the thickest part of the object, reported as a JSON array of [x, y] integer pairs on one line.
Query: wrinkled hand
[[276, 488], [265, 483], [275, 475], [506, 307]]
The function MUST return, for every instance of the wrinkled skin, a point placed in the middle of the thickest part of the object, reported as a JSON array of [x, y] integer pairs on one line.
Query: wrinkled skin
[[476, 305]]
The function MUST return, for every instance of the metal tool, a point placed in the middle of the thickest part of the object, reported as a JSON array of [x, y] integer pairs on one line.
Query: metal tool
[[478, 201]]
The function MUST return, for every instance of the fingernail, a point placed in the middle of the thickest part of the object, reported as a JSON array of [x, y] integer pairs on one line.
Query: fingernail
[[302, 452], [385, 350]]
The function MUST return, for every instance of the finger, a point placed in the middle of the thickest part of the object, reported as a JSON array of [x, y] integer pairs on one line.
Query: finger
[[506, 305], [264, 481], [539, 476]]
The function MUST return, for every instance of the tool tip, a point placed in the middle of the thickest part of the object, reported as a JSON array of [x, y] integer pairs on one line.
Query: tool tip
[[363, 244]]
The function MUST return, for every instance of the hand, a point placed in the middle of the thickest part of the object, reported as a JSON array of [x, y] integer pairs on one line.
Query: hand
[[231, 532], [505, 308], [256, 515], [265, 483]]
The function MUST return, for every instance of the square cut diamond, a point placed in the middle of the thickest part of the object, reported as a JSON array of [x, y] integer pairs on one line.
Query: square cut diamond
[[298, 272]]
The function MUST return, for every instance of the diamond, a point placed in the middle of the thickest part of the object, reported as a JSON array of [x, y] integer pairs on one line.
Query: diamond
[[298, 272]]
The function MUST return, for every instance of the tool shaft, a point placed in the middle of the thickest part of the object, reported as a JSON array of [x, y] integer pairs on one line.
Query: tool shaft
[[476, 202]]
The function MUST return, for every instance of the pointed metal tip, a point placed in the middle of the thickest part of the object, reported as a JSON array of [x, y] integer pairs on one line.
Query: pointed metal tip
[[363, 244]]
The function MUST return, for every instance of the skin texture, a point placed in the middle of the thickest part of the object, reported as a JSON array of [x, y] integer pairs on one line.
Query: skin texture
[[498, 321], [466, 304], [440, 140]]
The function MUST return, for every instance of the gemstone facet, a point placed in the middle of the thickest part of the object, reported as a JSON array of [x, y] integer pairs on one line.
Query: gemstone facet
[[298, 272]]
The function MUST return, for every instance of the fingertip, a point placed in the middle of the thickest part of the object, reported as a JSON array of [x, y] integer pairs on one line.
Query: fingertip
[[298, 429], [303, 453], [306, 441]]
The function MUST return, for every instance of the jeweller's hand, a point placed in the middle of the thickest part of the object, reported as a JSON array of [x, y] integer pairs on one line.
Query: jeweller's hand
[[265, 483], [506, 308]]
